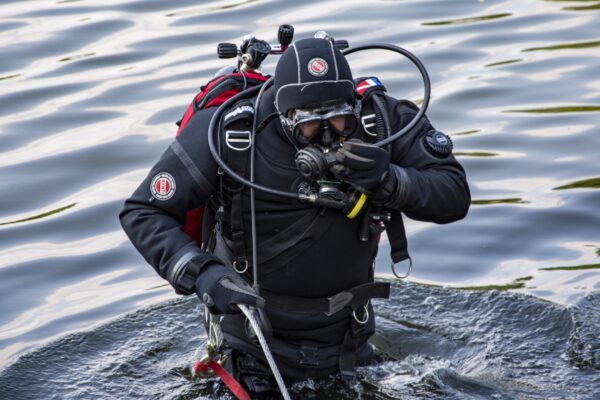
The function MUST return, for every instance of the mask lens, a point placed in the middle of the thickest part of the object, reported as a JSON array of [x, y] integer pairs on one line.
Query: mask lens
[[309, 129], [343, 125], [308, 122], [338, 123]]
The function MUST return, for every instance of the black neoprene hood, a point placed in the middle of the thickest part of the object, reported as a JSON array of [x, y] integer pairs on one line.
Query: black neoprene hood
[[312, 71]]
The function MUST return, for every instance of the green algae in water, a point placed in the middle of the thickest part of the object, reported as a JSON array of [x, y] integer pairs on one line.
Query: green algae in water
[[39, 216], [579, 7], [503, 62], [566, 46], [518, 283], [571, 268], [593, 183], [2, 78], [583, 8], [514, 200], [470, 20], [465, 133], [76, 57], [556, 110], [476, 154]]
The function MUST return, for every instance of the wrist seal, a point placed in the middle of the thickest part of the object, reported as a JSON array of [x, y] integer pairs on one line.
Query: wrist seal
[[185, 283]]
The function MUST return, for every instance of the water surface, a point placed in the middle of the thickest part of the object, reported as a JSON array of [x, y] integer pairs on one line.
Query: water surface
[[90, 91]]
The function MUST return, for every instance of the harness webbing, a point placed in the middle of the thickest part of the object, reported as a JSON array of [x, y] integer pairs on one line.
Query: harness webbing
[[233, 385]]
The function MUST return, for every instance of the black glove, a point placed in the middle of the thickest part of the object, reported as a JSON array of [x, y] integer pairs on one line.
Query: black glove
[[220, 288], [363, 165]]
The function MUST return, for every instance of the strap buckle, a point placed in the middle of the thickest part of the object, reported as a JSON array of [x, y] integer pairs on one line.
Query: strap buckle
[[338, 301], [309, 356], [238, 140], [368, 121]]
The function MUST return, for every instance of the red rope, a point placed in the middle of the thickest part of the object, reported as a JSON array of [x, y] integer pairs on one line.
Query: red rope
[[233, 385]]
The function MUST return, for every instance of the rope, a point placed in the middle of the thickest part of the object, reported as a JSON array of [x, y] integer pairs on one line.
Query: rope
[[265, 347]]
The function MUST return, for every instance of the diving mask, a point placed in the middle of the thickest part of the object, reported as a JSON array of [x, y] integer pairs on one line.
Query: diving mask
[[306, 123]]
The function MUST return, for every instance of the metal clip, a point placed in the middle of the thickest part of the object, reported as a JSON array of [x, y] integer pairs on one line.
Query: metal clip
[[213, 345], [369, 124], [244, 267], [238, 140]]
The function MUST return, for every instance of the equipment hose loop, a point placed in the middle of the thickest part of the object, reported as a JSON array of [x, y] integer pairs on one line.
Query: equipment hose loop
[[426, 82], [365, 312], [215, 121]]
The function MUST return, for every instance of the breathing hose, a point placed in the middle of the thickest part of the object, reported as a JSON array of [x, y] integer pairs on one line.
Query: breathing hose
[[216, 119], [426, 82]]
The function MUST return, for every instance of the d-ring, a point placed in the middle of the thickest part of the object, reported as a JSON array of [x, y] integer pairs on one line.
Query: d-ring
[[361, 321], [244, 267], [410, 267]]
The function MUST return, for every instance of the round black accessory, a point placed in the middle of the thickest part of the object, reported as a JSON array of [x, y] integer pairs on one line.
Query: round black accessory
[[313, 163], [438, 143]]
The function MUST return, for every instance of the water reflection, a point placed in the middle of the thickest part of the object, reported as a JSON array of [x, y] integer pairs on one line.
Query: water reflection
[[518, 283], [470, 20], [495, 64], [514, 200], [571, 268], [90, 91], [593, 183], [556, 110], [2, 78], [475, 154], [581, 7], [77, 57], [578, 45]]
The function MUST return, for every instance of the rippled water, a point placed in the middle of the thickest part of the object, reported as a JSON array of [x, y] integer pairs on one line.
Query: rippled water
[[89, 91]]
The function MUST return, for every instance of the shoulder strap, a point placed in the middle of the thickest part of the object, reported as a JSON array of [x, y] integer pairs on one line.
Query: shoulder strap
[[236, 144]]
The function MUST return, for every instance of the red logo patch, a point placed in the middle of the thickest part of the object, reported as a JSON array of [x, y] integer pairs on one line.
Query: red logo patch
[[318, 67], [162, 186]]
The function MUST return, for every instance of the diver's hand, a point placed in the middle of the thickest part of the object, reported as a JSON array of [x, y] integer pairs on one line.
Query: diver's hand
[[363, 165], [220, 289]]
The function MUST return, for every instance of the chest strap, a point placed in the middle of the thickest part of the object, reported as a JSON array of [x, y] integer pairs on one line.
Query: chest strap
[[354, 298]]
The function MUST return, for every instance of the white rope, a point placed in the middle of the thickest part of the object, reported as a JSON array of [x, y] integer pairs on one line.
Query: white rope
[[265, 347]]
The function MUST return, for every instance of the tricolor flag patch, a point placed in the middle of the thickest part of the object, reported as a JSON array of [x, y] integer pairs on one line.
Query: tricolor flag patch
[[365, 84]]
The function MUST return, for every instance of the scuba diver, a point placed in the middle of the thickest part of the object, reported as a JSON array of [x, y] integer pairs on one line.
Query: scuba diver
[[314, 133]]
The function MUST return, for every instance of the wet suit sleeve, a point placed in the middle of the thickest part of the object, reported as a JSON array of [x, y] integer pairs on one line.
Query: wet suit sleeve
[[426, 186], [153, 217]]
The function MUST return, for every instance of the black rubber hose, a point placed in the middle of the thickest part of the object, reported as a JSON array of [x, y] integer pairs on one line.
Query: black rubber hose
[[383, 118], [381, 130], [216, 120], [426, 82]]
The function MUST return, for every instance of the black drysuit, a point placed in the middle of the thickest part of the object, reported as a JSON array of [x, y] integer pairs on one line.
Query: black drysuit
[[321, 254]]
